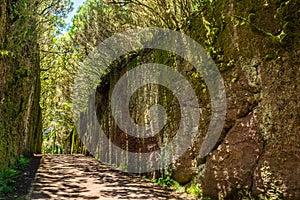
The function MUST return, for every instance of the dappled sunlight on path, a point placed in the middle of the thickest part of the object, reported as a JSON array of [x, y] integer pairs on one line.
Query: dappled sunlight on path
[[80, 177]]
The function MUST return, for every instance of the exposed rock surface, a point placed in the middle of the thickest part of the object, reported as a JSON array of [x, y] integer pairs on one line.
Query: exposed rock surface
[[260, 152], [20, 124], [255, 44]]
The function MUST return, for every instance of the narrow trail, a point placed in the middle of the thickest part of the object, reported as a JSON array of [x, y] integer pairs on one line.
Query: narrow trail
[[80, 177]]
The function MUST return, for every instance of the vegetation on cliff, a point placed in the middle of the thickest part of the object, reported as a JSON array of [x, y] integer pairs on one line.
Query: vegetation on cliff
[[255, 45]]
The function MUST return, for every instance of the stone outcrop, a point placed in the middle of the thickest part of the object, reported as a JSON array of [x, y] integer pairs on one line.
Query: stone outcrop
[[257, 50], [20, 114], [255, 45]]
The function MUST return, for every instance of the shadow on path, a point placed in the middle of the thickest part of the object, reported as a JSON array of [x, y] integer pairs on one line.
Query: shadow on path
[[80, 177]]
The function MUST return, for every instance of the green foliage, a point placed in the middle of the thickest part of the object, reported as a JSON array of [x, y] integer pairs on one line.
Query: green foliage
[[22, 164], [8, 175], [5, 180], [5, 188], [95, 21], [194, 190], [168, 182], [57, 72]]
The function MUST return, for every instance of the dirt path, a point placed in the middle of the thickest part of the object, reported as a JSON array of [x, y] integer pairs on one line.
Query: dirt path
[[79, 177]]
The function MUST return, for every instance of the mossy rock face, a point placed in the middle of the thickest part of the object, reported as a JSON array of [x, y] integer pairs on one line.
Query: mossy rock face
[[258, 149], [140, 103], [20, 118], [256, 49]]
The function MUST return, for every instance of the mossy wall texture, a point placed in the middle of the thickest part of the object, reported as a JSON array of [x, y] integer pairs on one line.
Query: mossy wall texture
[[20, 124], [255, 45]]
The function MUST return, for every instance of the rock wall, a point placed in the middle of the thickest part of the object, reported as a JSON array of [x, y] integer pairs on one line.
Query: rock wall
[[20, 114], [140, 103], [255, 45]]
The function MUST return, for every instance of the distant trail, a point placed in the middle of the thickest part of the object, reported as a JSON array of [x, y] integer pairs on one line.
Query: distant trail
[[80, 177]]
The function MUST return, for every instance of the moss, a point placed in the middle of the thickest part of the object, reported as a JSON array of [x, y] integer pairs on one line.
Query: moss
[[269, 57], [19, 90]]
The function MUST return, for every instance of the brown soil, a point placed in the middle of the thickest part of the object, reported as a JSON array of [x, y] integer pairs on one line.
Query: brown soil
[[80, 177]]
